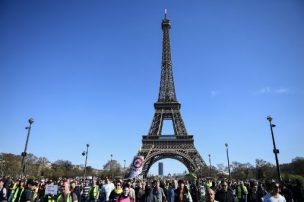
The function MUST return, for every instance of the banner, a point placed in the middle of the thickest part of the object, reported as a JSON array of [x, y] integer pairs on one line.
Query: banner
[[51, 189], [137, 166]]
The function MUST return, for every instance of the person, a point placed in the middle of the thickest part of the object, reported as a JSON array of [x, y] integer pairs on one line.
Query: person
[[170, 192], [18, 190], [41, 191], [210, 195], [224, 195], [116, 192], [182, 193], [3, 192], [12, 187], [298, 191], [75, 188], [241, 192], [132, 191], [50, 197], [194, 191], [106, 190], [125, 196], [261, 190], [253, 195], [67, 195], [28, 193], [94, 192], [140, 191], [274, 195], [156, 193], [286, 192], [85, 191]]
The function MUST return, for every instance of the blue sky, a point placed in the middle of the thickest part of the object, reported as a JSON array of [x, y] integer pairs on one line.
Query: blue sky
[[88, 72]]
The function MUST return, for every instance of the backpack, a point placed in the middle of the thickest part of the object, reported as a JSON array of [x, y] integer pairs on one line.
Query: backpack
[[2, 191]]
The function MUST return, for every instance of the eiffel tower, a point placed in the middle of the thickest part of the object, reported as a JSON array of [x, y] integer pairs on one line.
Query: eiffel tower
[[180, 145]]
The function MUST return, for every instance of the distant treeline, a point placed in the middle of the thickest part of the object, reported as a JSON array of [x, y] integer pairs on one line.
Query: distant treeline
[[10, 165]]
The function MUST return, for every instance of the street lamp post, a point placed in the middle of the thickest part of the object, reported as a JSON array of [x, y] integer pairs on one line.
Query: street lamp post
[[124, 167], [209, 165], [85, 153], [111, 166], [23, 154], [226, 145], [275, 150]]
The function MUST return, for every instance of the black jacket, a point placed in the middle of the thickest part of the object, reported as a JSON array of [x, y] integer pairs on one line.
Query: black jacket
[[224, 196]]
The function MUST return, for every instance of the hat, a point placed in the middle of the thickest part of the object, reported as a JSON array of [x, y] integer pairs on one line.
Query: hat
[[31, 182]]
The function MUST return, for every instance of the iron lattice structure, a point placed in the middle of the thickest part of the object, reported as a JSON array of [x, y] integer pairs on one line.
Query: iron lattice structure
[[180, 145]]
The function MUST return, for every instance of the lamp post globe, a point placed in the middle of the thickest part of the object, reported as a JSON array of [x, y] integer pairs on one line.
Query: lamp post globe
[[31, 120]]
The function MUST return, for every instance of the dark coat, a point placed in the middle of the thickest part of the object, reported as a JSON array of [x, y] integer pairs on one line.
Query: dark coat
[[224, 196]]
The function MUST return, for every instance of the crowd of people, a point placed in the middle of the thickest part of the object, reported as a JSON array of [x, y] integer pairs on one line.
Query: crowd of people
[[166, 190]]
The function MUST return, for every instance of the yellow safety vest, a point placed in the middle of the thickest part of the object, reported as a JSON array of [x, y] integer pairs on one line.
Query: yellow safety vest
[[17, 190], [69, 197], [51, 199], [94, 192]]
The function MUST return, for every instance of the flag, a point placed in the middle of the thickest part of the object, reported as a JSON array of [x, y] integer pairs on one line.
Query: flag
[[137, 166]]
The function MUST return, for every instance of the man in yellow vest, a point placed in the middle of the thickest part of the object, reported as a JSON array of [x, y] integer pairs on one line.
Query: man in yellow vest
[[94, 192], [18, 191], [241, 192], [67, 195], [28, 193]]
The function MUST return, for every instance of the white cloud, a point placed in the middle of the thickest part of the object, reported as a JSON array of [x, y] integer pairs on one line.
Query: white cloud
[[264, 90], [268, 90], [214, 93], [281, 91]]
